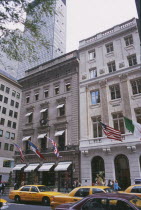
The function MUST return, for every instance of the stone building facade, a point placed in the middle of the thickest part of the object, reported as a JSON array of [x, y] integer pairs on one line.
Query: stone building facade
[[10, 101], [110, 88], [50, 110]]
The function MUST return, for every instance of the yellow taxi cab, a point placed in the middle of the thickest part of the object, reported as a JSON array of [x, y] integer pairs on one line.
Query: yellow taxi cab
[[78, 193], [3, 204], [34, 193], [134, 189]]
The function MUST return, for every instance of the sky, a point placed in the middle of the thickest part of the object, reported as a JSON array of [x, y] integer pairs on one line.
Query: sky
[[86, 18]]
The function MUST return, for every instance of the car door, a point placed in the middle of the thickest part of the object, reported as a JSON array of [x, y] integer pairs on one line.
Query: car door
[[95, 204], [24, 193], [136, 190], [34, 194]]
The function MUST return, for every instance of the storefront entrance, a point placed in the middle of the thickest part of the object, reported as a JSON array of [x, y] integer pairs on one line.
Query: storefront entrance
[[48, 178], [98, 169], [65, 181], [122, 171]]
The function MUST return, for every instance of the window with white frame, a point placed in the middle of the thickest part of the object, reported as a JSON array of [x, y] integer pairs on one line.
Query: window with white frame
[[115, 91], [56, 90], [132, 60], [97, 129], [18, 95], [61, 109], [128, 40], [36, 96], [13, 93], [1, 133], [6, 146], [68, 86], [27, 99], [138, 114], [12, 136], [95, 97], [7, 135], [46, 93], [92, 54], [111, 66], [29, 116], [44, 113], [136, 86], [93, 73], [118, 122], [109, 47]]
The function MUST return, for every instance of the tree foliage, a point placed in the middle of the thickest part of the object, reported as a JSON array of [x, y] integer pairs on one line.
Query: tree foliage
[[19, 15]]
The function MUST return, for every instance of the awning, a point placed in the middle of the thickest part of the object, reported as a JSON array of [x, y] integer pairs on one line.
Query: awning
[[28, 114], [40, 136], [19, 167], [46, 167], [43, 110], [60, 106], [62, 166], [31, 167], [26, 138], [59, 133]]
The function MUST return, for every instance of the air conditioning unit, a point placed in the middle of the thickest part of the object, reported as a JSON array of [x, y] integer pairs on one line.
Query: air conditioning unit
[[43, 122]]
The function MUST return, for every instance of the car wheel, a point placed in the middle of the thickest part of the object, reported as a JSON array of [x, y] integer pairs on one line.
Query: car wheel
[[17, 199], [46, 201]]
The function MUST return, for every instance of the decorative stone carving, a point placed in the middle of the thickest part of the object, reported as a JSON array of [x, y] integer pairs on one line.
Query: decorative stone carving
[[84, 76], [103, 83], [121, 65], [123, 77], [101, 71]]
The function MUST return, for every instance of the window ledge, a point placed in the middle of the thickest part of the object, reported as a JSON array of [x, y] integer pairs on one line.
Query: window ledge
[[60, 117], [110, 54], [116, 101], [129, 47], [136, 96], [91, 61], [93, 106]]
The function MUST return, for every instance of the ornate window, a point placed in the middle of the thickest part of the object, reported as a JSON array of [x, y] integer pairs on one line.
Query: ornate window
[[118, 122], [97, 129], [95, 97], [115, 91], [111, 66], [109, 47], [136, 86], [132, 60], [128, 40]]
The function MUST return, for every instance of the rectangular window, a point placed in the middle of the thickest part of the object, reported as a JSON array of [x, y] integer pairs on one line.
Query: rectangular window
[[45, 114], [45, 93], [9, 123], [10, 113], [7, 135], [18, 95], [118, 122], [2, 121], [1, 133], [109, 47], [14, 125], [61, 110], [95, 97], [2, 87], [30, 118], [4, 110], [97, 129], [56, 90], [0, 145], [132, 60], [13, 93], [12, 103], [92, 55], [115, 92], [11, 147], [17, 105], [136, 86], [5, 100], [93, 73], [1, 97], [7, 163], [138, 114], [111, 66], [36, 96], [27, 99], [68, 87], [13, 136], [15, 115], [128, 40], [7, 90]]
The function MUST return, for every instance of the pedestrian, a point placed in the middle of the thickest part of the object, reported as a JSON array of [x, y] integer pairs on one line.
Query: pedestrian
[[66, 186], [116, 186], [16, 186], [110, 183], [22, 183], [3, 188]]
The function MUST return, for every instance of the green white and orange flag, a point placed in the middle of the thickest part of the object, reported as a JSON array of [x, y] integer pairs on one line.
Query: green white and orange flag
[[133, 126]]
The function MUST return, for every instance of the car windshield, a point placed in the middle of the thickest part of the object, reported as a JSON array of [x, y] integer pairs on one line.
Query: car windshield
[[43, 188], [109, 190], [137, 202]]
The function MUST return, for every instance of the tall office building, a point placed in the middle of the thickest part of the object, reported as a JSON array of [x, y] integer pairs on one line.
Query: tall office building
[[55, 32]]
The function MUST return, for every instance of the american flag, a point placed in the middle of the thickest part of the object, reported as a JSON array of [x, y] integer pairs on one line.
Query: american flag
[[20, 150], [56, 151], [110, 132]]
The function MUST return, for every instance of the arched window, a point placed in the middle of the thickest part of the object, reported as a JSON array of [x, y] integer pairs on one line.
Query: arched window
[[98, 169], [122, 171]]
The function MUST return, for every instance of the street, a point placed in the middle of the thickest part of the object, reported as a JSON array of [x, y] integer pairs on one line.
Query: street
[[23, 206]]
